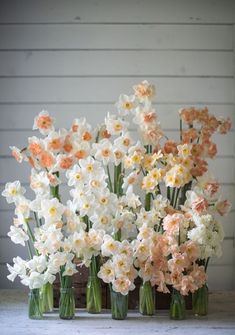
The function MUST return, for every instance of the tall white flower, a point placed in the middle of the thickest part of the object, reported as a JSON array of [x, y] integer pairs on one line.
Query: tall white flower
[[126, 104], [13, 191], [115, 125], [52, 210], [18, 235]]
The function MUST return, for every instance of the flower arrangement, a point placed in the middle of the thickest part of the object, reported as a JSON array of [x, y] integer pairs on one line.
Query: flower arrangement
[[147, 207]]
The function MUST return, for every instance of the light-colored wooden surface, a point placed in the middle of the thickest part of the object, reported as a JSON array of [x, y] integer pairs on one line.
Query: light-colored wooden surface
[[14, 320], [74, 58]]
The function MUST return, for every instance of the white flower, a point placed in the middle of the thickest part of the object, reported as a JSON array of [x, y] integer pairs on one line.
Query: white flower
[[18, 235], [18, 154], [115, 125], [70, 269], [102, 221], [130, 180], [43, 122], [22, 207], [34, 280], [109, 246], [124, 142], [38, 264], [121, 264], [131, 199], [13, 191], [103, 151], [39, 182], [126, 104], [75, 176], [18, 269], [78, 242], [106, 272], [52, 210]]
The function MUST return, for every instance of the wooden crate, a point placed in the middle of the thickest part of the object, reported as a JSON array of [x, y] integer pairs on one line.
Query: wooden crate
[[79, 284]]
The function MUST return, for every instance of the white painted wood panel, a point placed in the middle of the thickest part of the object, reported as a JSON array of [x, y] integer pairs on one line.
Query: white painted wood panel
[[69, 36], [116, 63], [177, 90], [141, 11], [21, 116]]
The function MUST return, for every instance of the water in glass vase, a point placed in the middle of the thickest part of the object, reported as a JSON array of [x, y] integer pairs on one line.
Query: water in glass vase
[[177, 307], [147, 299], [47, 298], [34, 304], [119, 305], [200, 301], [93, 290], [67, 303]]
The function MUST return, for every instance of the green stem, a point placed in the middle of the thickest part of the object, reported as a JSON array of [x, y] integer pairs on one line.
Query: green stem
[[109, 180], [176, 198], [148, 201], [54, 190], [29, 250], [36, 219], [173, 196]]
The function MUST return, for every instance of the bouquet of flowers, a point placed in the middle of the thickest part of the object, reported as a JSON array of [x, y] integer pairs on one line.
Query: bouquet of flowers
[[144, 207]]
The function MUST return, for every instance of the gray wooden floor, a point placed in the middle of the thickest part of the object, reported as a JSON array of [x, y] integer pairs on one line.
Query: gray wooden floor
[[14, 320]]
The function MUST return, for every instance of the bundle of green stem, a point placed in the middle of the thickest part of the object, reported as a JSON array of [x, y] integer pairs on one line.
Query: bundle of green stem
[[67, 301], [147, 299], [34, 304], [47, 299], [93, 291], [119, 305]]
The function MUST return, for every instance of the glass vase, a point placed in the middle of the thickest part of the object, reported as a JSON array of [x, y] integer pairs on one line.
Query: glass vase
[[119, 305], [47, 298], [93, 290], [177, 307], [34, 304], [200, 301], [147, 299], [67, 303]]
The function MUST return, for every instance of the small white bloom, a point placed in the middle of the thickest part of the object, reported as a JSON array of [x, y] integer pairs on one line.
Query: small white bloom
[[13, 191], [18, 235]]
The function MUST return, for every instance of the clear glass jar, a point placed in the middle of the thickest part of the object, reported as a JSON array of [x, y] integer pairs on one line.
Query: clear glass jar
[[177, 307], [119, 305], [93, 289], [67, 303], [47, 298], [93, 295], [34, 304], [147, 299], [200, 301]]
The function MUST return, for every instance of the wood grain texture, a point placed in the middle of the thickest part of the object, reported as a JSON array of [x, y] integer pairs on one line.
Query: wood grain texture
[[116, 63], [116, 36], [122, 11]]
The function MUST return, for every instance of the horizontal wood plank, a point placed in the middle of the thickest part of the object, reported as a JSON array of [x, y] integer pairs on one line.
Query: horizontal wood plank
[[118, 63], [142, 11], [157, 37], [177, 90]]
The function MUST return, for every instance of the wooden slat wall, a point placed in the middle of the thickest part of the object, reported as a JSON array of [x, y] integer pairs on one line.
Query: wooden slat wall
[[75, 57]]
